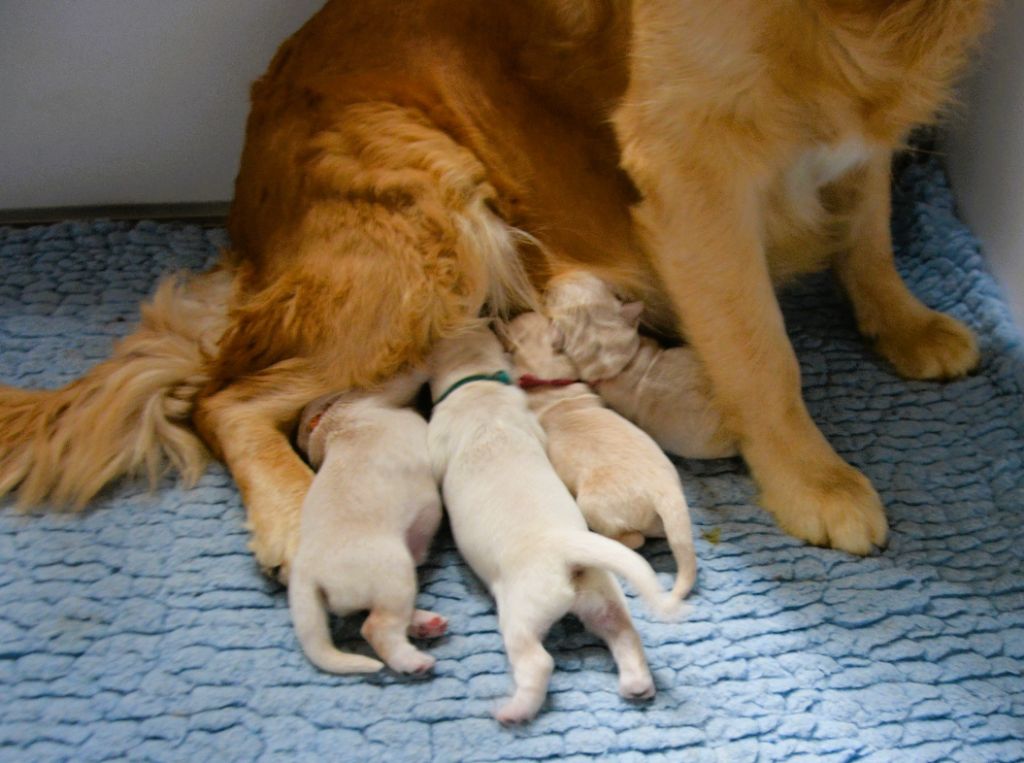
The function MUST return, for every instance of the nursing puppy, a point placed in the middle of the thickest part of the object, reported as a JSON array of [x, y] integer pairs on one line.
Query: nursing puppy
[[624, 485], [664, 391], [519, 529], [367, 521]]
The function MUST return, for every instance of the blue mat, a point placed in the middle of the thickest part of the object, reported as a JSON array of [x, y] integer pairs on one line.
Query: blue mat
[[143, 629]]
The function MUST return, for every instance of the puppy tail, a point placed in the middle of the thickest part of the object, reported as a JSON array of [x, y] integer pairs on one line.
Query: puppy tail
[[309, 616], [129, 414], [675, 519], [593, 550]]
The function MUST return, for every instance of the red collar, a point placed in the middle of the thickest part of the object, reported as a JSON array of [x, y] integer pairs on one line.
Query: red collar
[[529, 381]]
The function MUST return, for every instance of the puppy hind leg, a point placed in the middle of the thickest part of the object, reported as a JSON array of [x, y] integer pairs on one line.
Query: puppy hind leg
[[630, 539], [601, 608], [427, 624], [309, 617], [386, 628], [525, 616], [531, 670], [600, 503]]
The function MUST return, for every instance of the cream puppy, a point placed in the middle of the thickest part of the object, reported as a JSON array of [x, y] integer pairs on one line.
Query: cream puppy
[[623, 483], [367, 521], [518, 527], [664, 391]]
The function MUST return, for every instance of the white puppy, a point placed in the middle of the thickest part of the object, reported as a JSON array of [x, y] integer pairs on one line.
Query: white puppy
[[520, 530], [664, 391], [367, 521], [624, 484]]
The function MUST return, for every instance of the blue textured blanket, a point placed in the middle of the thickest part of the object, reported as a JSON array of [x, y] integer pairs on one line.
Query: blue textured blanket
[[143, 630]]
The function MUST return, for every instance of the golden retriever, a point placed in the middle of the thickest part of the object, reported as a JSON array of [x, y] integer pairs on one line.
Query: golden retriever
[[408, 161]]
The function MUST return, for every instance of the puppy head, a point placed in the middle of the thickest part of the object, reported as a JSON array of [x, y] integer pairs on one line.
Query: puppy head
[[601, 332], [535, 343], [472, 350], [310, 435]]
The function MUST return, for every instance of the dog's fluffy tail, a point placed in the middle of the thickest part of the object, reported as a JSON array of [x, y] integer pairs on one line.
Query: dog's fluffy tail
[[309, 616], [127, 415], [593, 550]]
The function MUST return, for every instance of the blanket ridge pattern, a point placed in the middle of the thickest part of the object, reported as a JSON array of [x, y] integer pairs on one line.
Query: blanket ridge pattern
[[143, 630]]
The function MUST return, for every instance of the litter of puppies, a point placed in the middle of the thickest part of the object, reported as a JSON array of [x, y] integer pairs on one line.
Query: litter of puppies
[[547, 491]]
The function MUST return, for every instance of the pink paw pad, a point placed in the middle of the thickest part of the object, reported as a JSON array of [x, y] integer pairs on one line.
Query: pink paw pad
[[434, 627]]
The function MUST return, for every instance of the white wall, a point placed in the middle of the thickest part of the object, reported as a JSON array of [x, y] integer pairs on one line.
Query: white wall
[[130, 101], [144, 102], [986, 152]]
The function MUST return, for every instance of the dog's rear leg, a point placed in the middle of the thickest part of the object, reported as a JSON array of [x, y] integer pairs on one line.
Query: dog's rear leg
[[397, 245], [247, 424], [920, 343], [601, 608]]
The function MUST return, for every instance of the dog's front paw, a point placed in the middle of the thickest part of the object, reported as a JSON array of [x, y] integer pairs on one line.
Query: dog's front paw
[[933, 346], [834, 506]]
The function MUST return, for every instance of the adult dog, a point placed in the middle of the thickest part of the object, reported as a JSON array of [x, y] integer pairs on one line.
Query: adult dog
[[407, 161]]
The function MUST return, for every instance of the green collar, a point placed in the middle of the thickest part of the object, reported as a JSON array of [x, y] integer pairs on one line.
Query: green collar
[[497, 376]]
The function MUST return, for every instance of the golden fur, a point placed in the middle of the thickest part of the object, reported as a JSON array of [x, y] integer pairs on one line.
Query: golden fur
[[407, 161]]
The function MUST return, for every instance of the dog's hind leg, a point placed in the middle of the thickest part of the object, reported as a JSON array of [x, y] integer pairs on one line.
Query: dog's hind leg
[[601, 608], [247, 424], [387, 242]]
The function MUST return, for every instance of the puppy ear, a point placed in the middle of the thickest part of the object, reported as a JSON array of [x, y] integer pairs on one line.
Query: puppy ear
[[557, 338], [632, 311], [500, 329]]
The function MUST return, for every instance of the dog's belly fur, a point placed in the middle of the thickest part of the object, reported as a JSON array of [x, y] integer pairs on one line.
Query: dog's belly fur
[[530, 89]]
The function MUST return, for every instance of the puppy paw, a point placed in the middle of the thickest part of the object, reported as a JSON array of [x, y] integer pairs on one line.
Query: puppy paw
[[515, 712], [631, 539], [412, 662], [637, 687], [836, 506], [426, 624], [934, 346]]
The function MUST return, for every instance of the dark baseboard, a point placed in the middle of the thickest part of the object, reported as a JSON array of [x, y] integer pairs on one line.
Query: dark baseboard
[[207, 213]]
